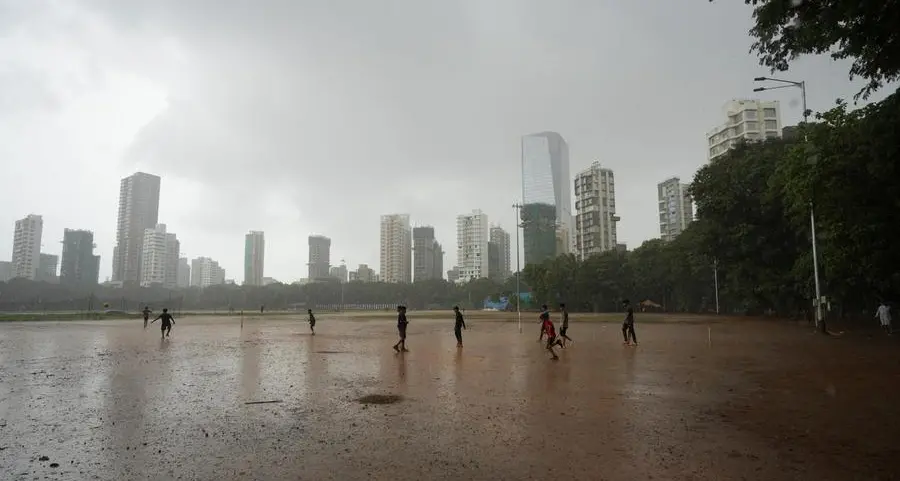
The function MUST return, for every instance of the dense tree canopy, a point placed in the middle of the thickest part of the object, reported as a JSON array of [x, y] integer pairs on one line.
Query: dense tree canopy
[[21, 294], [864, 31]]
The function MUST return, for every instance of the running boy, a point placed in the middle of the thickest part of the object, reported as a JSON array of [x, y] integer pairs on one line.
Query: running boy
[[628, 324], [545, 316], [565, 325], [146, 313], [312, 322], [401, 328], [547, 327], [460, 325], [166, 325]]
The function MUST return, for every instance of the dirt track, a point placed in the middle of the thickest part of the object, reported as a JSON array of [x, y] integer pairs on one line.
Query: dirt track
[[766, 401]]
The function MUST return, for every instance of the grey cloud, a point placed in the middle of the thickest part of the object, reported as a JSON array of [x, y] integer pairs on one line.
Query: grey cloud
[[354, 108]]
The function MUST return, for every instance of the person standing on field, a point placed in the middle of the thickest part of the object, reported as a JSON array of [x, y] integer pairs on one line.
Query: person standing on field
[[460, 325], [401, 329], [146, 313], [628, 324], [884, 315], [565, 326]]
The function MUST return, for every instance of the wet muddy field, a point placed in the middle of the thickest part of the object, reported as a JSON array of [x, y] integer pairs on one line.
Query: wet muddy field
[[727, 400]]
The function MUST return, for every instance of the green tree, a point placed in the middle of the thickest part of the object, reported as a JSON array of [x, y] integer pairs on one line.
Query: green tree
[[741, 222], [849, 171], [864, 31]]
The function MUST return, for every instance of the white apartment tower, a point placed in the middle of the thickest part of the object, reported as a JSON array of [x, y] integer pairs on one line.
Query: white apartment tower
[[595, 211], [26, 255], [748, 120], [184, 273], [472, 237], [138, 211], [206, 272], [159, 258], [396, 248], [254, 258], [676, 209], [500, 238]]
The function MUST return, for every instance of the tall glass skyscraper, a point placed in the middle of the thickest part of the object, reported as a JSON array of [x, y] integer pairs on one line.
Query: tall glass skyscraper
[[546, 195]]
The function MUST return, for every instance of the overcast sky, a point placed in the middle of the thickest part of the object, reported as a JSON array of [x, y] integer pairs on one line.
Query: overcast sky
[[317, 116]]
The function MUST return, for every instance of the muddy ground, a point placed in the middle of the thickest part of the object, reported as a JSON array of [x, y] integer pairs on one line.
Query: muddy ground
[[763, 400]]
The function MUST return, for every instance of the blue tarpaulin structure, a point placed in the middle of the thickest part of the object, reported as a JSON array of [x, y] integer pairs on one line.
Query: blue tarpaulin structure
[[503, 303]]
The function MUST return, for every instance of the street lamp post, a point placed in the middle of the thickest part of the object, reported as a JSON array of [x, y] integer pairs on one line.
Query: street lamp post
[[716, 278], [343, 281], [518, 206], [820, 318]]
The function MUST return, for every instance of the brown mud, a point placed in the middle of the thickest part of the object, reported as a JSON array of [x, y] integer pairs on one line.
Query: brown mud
[[729, 400]]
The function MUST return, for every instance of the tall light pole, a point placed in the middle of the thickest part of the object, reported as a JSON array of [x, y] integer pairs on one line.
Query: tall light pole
[[716, 278], [518, 206], [343, 281], [818, 304]]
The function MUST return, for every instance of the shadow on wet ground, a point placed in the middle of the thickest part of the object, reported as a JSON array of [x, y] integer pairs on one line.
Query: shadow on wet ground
[[744, 400]]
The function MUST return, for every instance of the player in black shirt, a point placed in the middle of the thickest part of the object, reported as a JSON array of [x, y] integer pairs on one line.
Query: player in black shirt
[[565, 325], [146, 313], [628, 324], [401, 328], [166, 323], [312, 322], [460, 325]]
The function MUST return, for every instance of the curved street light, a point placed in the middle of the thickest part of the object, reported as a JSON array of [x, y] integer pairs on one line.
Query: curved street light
[[820, 318]]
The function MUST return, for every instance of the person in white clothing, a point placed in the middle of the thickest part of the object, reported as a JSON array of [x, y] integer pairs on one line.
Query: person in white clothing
[[884, 315]]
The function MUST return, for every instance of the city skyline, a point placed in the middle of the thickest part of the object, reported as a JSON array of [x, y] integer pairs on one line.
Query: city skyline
[[231, 160]]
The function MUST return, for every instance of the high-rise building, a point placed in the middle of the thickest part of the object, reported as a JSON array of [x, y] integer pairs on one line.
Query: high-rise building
[[138, 211], [254, 258], [453, 274], [206, 272], [363, 273], [595, 211], [26, 255], [396, 249], [472, 237], [319, 257], [438, 262], [500, 238], [47, 268], [676, 210], [748, 120], [159, 258], [184, 273], [79, 264], [493, 261], [547, 197], [6, 271], [339, 272], [428, 256]]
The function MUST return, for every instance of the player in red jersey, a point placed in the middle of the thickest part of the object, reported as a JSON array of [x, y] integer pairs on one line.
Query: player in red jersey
[[550, 331]]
